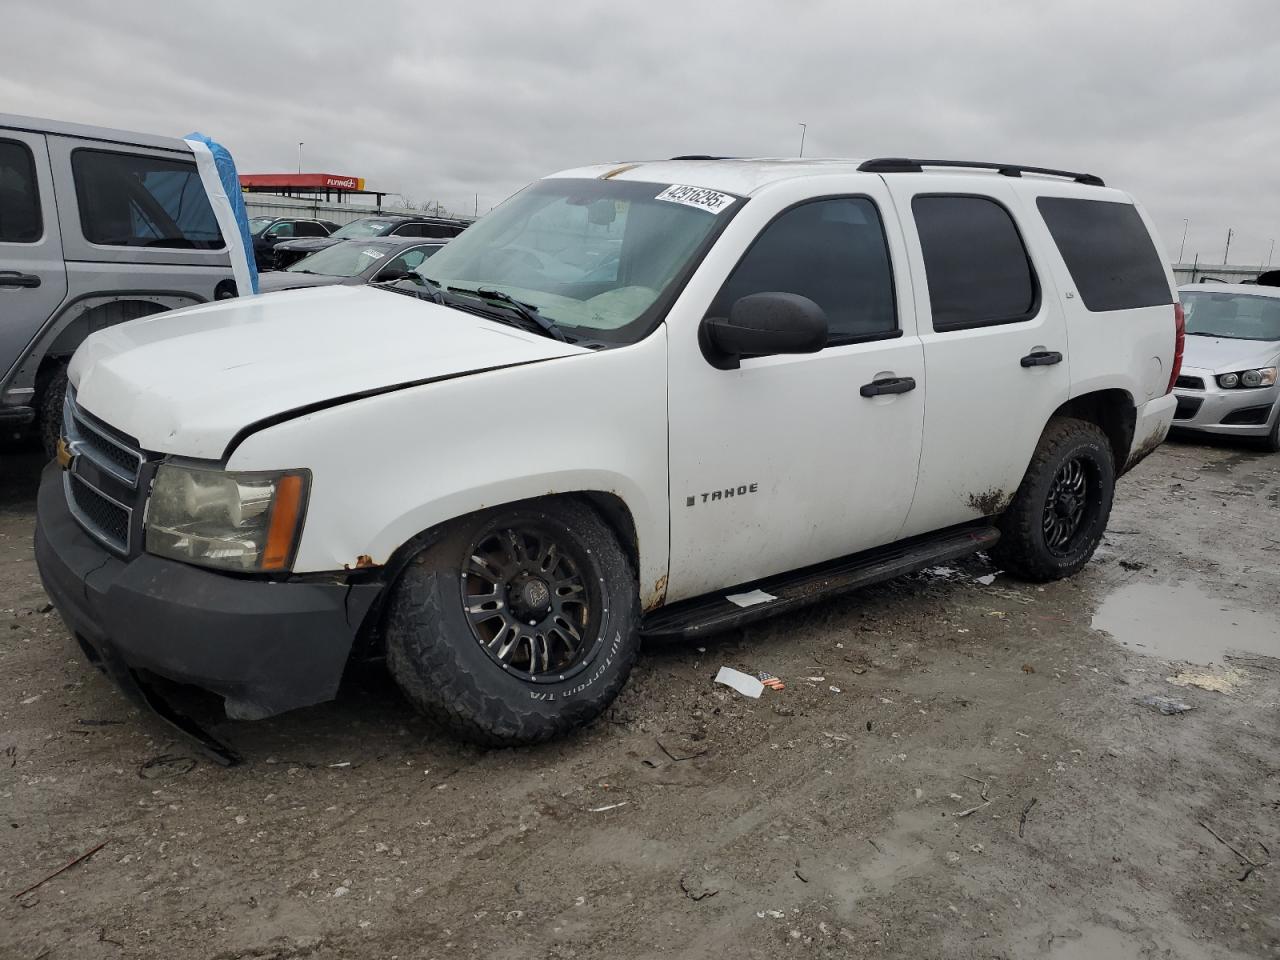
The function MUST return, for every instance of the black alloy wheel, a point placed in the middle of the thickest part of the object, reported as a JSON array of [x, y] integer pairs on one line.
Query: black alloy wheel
[[529, 604], [1070, 496]]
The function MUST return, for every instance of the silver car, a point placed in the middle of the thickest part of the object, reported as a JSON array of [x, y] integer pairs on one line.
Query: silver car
[[351, 262], [1228, 379]]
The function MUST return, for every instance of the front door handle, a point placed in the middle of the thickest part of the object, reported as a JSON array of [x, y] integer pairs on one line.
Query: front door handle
[[11, 278], [877, 388], [1041, 358]]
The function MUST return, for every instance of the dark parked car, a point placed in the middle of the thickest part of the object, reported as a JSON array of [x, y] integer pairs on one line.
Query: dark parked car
[[440, 228], [267, 232], [353, 262]]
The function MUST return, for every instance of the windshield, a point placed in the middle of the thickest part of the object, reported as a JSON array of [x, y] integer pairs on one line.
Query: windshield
[[357, 229], [341, 260], [591, 254], [258, 224], [1238, 316]]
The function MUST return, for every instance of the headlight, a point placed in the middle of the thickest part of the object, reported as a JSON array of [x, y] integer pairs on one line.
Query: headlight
[[1262, 377], [231, 520]]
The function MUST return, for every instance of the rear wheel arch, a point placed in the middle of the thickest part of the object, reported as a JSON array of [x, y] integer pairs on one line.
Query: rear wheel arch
[[1113, 411]]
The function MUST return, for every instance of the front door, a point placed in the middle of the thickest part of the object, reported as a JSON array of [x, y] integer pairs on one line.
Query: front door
[[33, 278], [787, 461]]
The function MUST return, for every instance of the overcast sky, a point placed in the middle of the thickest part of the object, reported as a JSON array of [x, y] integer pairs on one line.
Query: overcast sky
[[1177, 101]]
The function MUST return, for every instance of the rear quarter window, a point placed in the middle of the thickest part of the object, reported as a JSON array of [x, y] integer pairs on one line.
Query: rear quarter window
[[1108, 252]]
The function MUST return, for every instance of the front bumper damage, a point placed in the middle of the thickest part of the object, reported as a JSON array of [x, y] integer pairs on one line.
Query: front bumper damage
[[265, 647]]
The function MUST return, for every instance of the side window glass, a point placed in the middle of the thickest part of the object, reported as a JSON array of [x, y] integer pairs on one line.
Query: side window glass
[[1108, 252], [20, 220], [136, 200], [832, 251], [306, 229], [281, 231], [978, 270]]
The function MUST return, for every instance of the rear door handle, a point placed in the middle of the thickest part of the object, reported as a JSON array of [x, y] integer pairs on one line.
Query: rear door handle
[[1041, 358], [888, 385], [11, 278]]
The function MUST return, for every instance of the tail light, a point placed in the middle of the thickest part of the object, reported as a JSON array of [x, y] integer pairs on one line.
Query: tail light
[[1179, 343]]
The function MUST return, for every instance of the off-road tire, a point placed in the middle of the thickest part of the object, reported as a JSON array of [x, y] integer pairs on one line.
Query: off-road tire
[[1023, 550], [49, 413], [443, 670]]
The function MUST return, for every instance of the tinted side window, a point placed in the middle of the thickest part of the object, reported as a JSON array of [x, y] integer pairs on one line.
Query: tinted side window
[[132, 200], [305, 228], [1108, 251], [20, 220], [281, 231], [833, 252], [977, 267]]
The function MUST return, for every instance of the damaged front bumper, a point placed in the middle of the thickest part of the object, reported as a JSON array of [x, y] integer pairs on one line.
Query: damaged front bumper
[[263, 646]]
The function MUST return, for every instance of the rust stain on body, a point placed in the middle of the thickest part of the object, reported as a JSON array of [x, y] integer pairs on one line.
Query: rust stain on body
[[658, 594], [364, 560]]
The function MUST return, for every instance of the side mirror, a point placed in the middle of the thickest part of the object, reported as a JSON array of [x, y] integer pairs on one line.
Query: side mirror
[[763, 324]]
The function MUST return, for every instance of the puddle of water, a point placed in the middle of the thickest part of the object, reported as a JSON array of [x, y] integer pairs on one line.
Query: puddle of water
[[1181, 622]]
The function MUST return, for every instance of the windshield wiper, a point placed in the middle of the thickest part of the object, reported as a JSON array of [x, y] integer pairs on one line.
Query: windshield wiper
[[527, 311]]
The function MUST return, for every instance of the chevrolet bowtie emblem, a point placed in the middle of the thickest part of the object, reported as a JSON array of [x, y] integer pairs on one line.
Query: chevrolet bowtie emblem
[[64, 456]]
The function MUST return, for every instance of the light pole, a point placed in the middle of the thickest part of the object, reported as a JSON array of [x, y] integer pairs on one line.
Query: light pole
[[1227, 252], [804, 127], [299, 156], [1270, 252], [1181, 249]]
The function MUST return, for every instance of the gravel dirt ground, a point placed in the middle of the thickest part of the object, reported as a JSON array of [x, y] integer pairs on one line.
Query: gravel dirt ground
[[955, 769]]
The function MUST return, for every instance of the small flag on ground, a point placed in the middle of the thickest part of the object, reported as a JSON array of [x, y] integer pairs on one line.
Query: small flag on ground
[[770, 681]]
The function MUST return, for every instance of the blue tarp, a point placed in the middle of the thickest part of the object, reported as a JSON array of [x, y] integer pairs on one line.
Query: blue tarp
[[226, 167]]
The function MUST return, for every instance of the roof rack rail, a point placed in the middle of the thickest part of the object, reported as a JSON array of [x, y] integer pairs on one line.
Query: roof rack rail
[[702, 156], [905, 165]]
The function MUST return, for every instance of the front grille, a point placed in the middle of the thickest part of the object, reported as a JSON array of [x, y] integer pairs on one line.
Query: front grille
[[109, 449], [101, 516], [1189, 383], [1187, 408], [102, 483]]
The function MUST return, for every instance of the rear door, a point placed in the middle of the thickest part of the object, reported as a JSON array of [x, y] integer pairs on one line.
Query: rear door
[[33, 277], [995, 344]]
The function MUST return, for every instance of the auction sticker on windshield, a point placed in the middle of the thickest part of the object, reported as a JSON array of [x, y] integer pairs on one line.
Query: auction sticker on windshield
[[709, 200]]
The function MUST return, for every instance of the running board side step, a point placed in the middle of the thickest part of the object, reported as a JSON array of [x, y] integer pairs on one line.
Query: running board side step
[[714, 613]]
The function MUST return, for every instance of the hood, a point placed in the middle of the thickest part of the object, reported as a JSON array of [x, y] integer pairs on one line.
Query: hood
[[270, 281], [188, 381], [1225, 355]]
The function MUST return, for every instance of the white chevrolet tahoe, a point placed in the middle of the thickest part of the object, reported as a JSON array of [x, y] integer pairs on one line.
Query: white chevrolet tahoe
[[620, 401]]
